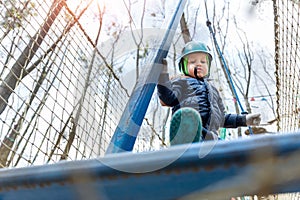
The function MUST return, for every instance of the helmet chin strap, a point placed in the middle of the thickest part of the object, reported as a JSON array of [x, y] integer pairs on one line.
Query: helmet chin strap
[[195, 73]]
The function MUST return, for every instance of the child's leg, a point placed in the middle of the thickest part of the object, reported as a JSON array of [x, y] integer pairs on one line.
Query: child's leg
[[186, 126]]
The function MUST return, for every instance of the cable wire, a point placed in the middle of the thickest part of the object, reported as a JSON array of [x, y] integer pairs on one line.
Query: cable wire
[[208, 23]]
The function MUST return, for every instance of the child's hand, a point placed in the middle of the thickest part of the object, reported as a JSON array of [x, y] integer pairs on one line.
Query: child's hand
[[253, 119]]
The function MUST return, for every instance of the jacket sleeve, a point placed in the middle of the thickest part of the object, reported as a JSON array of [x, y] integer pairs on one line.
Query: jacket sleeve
[[168, 92], [234, 120]]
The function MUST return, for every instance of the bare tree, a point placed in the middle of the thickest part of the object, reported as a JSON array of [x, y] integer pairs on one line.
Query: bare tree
[[245, 58], [17, 72], [19, 68], [184, 29], [10, 139]]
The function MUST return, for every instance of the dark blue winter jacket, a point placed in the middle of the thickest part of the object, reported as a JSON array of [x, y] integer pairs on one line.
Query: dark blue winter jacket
[[200, 94]]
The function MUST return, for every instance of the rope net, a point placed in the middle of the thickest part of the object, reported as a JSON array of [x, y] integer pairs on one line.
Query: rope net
[[61, 96], [287, 59], [287, 63]]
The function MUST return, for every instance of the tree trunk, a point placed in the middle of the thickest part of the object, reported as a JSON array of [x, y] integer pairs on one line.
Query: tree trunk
[[185, 30], [11, 80]]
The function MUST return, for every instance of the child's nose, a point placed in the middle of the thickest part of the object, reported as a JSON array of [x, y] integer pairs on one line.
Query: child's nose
[[198, 63]]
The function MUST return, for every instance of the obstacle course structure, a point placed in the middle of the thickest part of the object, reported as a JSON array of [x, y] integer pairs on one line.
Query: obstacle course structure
[[63, 104]]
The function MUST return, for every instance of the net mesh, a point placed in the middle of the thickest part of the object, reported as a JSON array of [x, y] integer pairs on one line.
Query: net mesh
[[60, 96], [287, 59]]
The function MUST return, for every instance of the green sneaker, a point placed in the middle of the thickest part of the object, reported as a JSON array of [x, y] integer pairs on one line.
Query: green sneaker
[[186, 126]]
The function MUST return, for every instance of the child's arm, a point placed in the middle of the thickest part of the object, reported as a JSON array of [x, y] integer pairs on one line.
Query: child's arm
[[234, 120], [167, 92]]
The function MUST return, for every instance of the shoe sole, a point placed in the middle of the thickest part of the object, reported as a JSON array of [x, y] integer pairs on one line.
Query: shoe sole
[[186, 127]]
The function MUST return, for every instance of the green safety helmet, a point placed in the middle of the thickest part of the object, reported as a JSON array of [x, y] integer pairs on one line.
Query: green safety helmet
[[193, 47]]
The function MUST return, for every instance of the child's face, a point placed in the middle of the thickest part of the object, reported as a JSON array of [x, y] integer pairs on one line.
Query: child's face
[[197, 64]]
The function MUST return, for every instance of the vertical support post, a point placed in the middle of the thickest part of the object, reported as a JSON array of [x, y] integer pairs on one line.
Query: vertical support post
[[129, 125]]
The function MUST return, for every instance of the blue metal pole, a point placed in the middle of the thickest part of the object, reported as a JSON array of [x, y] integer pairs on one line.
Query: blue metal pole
[[134, 113]]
